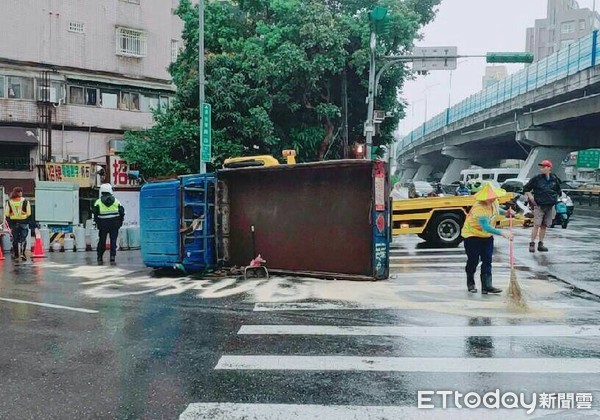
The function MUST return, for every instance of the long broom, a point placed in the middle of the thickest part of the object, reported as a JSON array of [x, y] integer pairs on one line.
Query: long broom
[[514, 289]]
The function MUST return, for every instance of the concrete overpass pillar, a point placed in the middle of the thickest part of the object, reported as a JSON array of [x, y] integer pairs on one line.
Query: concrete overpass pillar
[[423, 172], [408, 169], [537, 154], [408, 173], [553, 145], [452, 173], [460, 159]]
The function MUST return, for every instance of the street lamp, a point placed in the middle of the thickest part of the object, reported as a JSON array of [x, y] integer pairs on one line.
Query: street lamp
[[423, 98], [424, 91]]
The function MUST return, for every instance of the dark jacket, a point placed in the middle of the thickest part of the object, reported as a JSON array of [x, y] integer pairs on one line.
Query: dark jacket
[[111, 223], [545, 191]]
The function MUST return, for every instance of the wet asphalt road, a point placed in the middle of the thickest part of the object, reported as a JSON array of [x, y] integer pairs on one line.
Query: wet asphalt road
[[123, 343]]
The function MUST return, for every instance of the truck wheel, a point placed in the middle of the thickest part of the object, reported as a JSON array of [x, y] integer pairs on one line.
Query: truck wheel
[[445, 229]]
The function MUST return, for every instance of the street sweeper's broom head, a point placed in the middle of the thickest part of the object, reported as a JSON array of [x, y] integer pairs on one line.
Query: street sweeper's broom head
[[514, 289]]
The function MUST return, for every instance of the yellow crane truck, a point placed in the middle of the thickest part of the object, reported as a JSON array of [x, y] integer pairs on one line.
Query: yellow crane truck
[[439, 220]]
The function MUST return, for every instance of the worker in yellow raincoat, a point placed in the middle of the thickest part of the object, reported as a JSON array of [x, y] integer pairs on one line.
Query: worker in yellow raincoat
[[478, 233]]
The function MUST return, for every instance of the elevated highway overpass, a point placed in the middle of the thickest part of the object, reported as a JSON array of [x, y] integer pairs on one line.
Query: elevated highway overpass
[[545, 111]]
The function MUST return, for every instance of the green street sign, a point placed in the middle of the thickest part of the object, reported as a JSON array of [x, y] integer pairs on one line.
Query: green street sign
[[378, 17], [588, 159], [205, 134], [378, 13], [509, 57]]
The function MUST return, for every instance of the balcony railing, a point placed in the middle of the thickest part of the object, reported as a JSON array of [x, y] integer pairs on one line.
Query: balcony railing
[[15, 164]]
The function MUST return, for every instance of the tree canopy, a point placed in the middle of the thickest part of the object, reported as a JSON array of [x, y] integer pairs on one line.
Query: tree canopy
[[274, 75]]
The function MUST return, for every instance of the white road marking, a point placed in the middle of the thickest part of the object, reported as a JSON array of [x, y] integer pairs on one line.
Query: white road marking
[[410, 364], [50, 305], [448, 275], [313, 306], [427, 257], [245, 411], [426, 250], [441, 264], [349, 306], [466, 331]]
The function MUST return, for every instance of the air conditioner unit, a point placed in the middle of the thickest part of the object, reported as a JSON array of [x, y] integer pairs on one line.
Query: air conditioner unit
[[47, 94], [73, 158], [53, 158]]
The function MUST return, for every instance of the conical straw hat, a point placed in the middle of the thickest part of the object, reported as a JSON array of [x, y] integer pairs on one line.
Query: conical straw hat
[[488, 192]]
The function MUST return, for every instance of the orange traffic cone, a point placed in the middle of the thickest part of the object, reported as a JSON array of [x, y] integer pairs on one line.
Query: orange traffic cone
[[1, 254], [38, 248]]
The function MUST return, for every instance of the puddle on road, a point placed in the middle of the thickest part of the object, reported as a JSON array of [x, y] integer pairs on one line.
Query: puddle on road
[[443, 295]]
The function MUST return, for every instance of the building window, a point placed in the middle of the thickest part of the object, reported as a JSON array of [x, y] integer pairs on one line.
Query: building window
[[19, 87], [76, 95], [149, 103], [567, 27], [91, 96], [582, 25], [163, 102], [1, 86], [83, 96], [174, 50], [129, 101], [76, 27], [566, 43], [109, 98], [15, 157], [131, 42]]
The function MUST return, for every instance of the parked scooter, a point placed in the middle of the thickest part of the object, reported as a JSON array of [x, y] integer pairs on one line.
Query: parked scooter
[[564, 209], [522, 205]]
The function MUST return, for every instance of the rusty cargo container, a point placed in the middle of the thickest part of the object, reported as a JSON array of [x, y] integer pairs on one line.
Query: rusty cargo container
[[326, 219]]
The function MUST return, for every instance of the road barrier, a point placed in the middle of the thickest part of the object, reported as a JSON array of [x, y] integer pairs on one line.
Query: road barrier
[[581, 197]]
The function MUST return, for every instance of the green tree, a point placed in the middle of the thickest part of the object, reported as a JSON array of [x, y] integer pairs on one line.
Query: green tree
[[274, 75]]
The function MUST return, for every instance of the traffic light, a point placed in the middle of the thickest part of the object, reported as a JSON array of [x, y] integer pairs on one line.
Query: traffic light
[[378, 17], [509, 57]]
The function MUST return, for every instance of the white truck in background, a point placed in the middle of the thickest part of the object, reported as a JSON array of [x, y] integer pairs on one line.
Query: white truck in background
[[499, 175]]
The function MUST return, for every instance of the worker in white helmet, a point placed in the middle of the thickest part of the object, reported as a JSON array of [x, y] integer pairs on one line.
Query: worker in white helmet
[[108, 215]]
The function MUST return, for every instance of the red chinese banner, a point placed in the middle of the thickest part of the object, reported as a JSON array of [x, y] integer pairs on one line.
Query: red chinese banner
[[118, 168]]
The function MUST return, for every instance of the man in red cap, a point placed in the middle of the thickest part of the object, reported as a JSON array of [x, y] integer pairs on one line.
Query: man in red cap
[[543, 191]]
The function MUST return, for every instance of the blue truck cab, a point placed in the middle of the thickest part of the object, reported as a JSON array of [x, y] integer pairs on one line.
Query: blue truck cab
[[177, 223]]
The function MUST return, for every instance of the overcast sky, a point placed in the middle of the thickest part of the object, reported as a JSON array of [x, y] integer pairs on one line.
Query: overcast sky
[[475, 27]]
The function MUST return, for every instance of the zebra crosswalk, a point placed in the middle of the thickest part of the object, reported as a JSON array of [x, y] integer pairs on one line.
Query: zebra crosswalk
[[334, 359]]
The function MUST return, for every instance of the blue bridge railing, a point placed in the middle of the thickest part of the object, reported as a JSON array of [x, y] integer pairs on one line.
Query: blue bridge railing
[[578, 56]]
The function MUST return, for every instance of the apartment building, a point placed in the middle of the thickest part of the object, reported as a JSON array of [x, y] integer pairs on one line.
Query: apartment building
[[75, 75], [493, 74], [565, 23]]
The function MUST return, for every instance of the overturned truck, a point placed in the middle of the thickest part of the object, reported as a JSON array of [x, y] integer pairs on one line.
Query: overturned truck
[[326, 219]]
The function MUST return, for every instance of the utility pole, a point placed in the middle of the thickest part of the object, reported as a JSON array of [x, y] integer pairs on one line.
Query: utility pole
[[345, 113], [369, 126], [201, 78]]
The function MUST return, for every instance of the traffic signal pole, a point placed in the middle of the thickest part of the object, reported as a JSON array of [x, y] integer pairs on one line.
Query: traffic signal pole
[[369, 125], [202, 79]]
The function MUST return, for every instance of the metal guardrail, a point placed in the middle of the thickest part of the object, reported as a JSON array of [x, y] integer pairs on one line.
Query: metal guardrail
[[581, 197], [578, 56]]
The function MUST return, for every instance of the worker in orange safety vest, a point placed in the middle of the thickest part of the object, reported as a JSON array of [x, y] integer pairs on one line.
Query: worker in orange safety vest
[[18, 213]]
